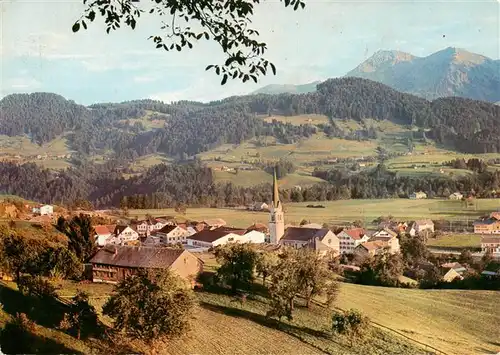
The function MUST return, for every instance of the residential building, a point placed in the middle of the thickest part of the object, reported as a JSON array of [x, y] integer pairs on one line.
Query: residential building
[[172, 234], [371, 248], [388, 236], [450, 275], [213, 223], [112, 264], [491, 245], [43, 210], [210, 238], [456, 196], [420, 226], [322, 240], [459, 268], [158, 224], [351, 238], [144, 227], [489, 225], [276, 215], [123, 234], [261, 227], [103, 233], [259, 206], [418, 195]]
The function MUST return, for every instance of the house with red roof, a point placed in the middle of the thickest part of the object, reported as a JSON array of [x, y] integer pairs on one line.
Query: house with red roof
[[351, 238], [103, 233]]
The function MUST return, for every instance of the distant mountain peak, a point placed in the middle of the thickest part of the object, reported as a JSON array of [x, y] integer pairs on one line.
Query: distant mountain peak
[[273, 89], [451, 71]]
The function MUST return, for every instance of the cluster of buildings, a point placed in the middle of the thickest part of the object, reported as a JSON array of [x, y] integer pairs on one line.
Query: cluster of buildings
[[489, 228], [162, 243]]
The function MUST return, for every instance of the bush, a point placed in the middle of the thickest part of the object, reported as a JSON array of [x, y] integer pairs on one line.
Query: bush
[[17, 335], [36, 286], [352, 324]]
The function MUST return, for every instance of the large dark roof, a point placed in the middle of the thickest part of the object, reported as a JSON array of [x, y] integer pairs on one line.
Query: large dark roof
[[211, 236], [167, 229], [304, 234], [137, 257]]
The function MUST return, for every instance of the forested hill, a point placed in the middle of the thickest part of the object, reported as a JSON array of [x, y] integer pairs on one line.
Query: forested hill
[[190, 127]]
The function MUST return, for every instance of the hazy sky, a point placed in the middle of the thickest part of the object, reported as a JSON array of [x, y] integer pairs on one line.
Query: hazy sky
[[39, 52]]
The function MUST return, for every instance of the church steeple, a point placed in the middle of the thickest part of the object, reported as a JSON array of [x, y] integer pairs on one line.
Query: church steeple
[[276, 216], [276, 196]]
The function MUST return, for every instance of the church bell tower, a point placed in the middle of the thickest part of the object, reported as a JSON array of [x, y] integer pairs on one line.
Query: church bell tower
[[276, 220]]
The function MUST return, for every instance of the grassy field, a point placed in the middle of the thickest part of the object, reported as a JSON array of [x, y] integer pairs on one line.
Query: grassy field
[[344, 211], [455, 321], [456, 240], [248, 178]]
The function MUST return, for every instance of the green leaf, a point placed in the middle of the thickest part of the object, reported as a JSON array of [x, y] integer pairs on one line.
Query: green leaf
[[273, 68], [224, 79], [84, 24], [76, 27], [209, 67], [178, 47], [91, 15]]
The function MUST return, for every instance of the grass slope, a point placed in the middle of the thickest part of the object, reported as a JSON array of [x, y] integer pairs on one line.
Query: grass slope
[[455, 321]]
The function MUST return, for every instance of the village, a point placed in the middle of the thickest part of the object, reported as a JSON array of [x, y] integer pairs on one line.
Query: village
[[149, 242]]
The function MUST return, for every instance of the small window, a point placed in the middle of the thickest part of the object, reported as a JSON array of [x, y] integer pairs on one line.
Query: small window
[[230, 239], [329, 241]]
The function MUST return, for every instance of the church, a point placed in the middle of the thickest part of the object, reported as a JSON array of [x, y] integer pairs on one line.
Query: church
[[323, 240]]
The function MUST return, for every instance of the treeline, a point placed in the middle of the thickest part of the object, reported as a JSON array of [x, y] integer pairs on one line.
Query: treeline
[[192, 183], [382, 183], [191, 127]]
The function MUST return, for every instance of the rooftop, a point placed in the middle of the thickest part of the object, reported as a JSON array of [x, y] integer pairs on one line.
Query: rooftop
[[304, 234], [137, 257]]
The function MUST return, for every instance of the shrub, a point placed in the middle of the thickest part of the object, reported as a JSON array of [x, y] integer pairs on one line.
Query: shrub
[[36, 286], [351, 324]]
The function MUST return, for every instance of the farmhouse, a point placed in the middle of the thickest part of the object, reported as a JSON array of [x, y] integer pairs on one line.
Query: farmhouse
[[351, 238], [418, 195], [420, 226], [172, 234], [456, 196], [491, 245], [104, 233], [123, 234], [43, 210], [144, 227], [388, 236], [112, 264], [322, 240], [371, 248], [489, 225]]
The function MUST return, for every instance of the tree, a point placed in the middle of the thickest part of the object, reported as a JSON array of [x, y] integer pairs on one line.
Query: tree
[[384, 269], [266, 261], [413, 249], [466, 257], [314, 277], [81, 235], [82, 317], [237, 265], [224, 22], [151, 305], [352, 324], [17, 337]]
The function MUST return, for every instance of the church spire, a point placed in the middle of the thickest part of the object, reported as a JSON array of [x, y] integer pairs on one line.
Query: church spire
[[276, 196]]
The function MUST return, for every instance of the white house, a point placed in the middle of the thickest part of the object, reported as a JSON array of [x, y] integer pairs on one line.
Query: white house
[[491, 244], [322, 240], [144, 227], [158, 224], [123, 234], [104, 233], [172, 234], [43, 210], [421, 225], [351, 238], [223, 235], [387, 236], [456, 196]]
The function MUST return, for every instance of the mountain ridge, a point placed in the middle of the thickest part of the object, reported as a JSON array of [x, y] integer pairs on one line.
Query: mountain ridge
[[448, 72]]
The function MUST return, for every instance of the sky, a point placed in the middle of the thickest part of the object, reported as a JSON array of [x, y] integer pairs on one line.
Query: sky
[[39, 52]]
